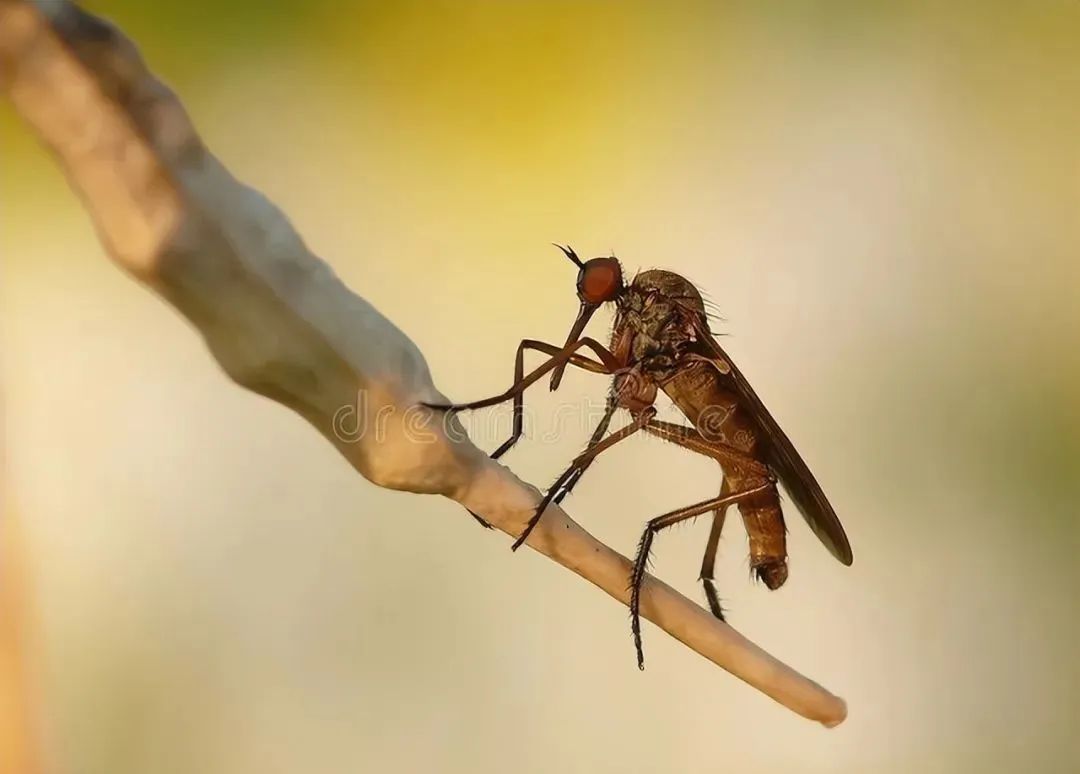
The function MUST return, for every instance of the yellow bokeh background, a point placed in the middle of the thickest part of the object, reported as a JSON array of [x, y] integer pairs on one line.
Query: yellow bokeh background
[[882, 201]]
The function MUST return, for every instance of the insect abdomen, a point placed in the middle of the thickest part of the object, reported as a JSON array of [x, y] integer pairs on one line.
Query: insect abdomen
[[765, 529], [700, 393]]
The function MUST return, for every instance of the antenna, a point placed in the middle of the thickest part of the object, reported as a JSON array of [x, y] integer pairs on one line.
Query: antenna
[[569, 252]]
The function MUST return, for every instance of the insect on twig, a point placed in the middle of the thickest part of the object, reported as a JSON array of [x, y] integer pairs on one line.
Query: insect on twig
[[661, 341]]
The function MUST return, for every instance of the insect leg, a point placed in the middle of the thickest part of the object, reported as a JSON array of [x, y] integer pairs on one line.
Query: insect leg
[[637, 576], [597, 436], [612, 404], [581, 461], [568, 354], [481, 521], [764, 520], [708, 562], [691, 439], [519, 374]]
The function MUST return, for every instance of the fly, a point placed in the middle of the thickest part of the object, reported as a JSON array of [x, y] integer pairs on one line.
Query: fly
[[661, 341]]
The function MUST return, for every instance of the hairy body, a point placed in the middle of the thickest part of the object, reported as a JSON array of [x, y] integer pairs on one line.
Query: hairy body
[[661, 342], [657, 337]]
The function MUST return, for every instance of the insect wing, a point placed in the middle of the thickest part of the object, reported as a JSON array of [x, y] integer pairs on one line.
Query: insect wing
[[786, 461]]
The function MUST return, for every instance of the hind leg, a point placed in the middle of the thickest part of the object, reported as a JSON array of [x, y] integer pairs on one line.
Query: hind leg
[[708, 562], [637, 576]]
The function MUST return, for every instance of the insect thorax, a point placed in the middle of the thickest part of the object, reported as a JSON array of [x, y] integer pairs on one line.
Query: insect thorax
[[658, 312], [673, 286]]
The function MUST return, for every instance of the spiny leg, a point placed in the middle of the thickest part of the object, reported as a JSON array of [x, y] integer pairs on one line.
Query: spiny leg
[[519, 373], [637, 576], [583, 460], [764, 521], [518, 428], [691, 439]]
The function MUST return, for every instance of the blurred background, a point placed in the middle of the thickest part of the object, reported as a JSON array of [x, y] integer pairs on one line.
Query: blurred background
[[883, 201]]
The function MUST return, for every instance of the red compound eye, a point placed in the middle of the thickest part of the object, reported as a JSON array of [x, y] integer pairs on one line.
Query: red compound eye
[[600, 281]]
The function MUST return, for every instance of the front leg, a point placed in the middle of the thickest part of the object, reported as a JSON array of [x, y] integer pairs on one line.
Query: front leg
[[568, 354], [519, 399], [559, 356]]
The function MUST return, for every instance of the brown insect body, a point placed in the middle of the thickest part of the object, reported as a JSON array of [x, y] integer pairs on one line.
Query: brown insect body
[[661, 342], [657, 337]]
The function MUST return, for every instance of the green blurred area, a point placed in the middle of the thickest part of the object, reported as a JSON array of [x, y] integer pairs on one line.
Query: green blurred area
[[195, 36]]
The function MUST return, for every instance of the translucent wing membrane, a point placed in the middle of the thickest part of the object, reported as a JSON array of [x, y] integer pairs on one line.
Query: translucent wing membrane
[[789, 466]]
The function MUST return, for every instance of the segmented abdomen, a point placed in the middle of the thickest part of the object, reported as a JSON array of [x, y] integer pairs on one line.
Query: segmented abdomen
[[699, 391]]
